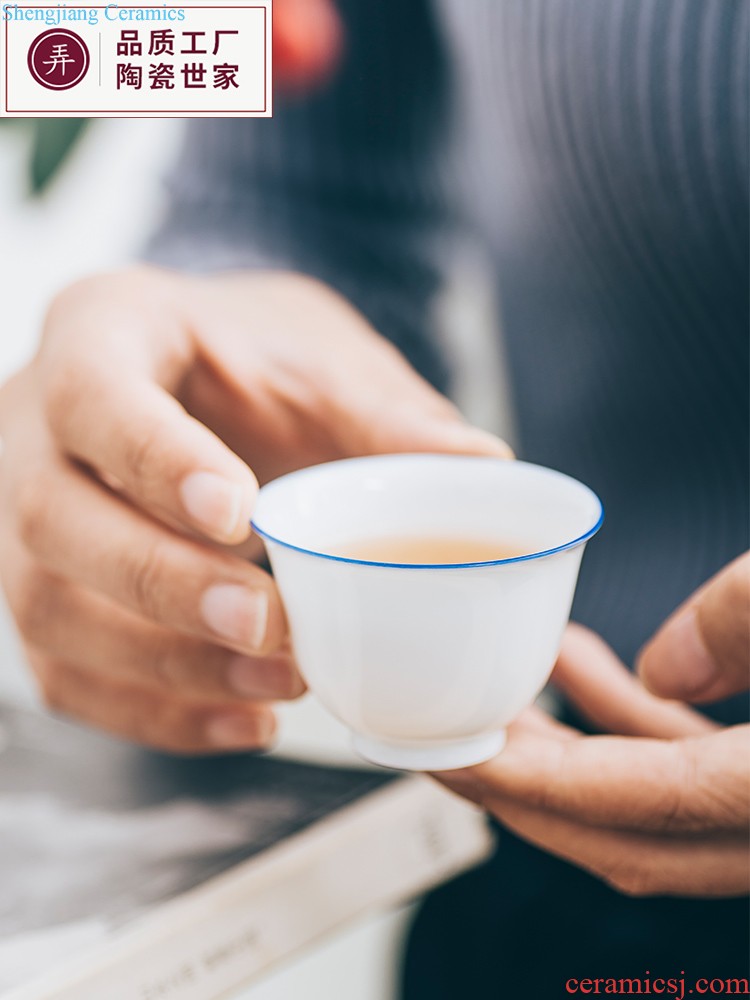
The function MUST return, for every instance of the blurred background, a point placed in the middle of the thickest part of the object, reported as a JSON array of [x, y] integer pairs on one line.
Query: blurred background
[[79, 196]]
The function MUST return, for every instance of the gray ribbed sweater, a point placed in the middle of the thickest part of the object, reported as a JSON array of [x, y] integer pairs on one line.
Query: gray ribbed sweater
[[599, 149]]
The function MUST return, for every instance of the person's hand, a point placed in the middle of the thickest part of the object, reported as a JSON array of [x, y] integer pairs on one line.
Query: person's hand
[[664, 807], [126, 488]]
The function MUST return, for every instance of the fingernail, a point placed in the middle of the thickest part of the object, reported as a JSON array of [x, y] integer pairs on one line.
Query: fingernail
[[239, 731], [213, 502], [677, 661], [237, 614]]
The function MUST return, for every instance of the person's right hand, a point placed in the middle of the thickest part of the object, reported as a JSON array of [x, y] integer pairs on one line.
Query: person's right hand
[[126, 488], [657, 803]]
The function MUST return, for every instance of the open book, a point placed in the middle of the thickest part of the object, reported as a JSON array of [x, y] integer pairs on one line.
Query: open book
[[131, 875]]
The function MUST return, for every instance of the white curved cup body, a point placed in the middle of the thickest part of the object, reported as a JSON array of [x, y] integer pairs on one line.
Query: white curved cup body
[[426, 665]]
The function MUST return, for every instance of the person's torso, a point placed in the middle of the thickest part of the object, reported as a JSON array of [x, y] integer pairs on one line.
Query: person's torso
[[605, 152]]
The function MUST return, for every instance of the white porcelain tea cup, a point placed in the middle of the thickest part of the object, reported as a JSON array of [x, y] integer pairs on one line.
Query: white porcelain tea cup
[[426, 664]]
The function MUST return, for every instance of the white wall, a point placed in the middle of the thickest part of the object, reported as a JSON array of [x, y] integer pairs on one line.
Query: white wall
[[93, 217]]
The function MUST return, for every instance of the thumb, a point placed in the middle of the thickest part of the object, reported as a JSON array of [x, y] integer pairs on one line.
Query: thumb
[[702, 653]]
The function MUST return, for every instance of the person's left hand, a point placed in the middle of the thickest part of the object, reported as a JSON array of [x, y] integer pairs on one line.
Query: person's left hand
[[663, 807]]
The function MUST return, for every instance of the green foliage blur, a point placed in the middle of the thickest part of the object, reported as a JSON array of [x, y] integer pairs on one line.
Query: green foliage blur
[[52, 141]]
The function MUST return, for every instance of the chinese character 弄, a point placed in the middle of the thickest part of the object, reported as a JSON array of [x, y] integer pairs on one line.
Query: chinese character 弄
[[60, 57]]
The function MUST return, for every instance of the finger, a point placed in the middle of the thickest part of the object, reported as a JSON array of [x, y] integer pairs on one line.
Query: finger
[[382, 406], [638, 784], [702, 653], [638, 865], [595, 681], [147, 717], [77, 626], [422, 420], [96, 539], [534, 720], [120, 422]]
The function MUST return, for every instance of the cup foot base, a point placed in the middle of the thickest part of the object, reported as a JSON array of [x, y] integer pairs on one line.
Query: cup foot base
[[430, 756]]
